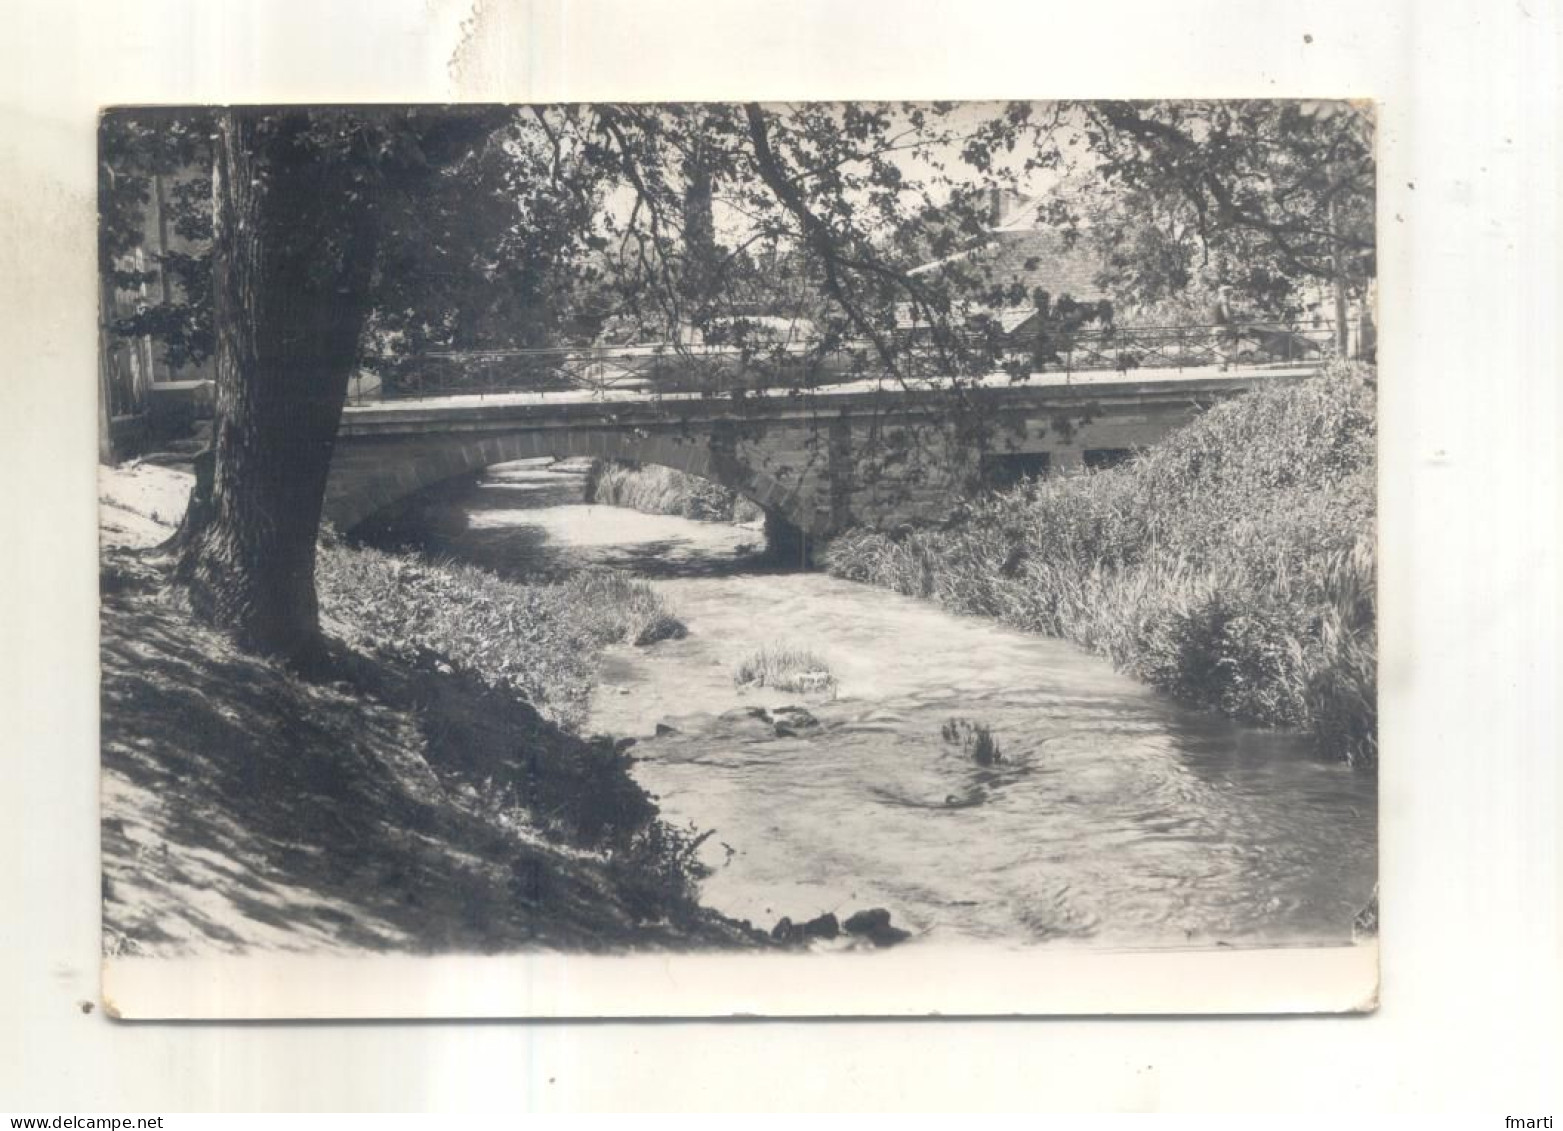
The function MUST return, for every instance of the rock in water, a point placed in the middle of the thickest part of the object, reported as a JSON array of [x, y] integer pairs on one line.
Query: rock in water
[[825, 926], [662, 628], [795, 717], [861, 922], [874, 925], [783, 722]]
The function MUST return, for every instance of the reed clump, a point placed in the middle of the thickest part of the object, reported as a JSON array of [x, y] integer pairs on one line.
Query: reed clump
[[975, 740], [1233, 565], [785, 668], [617, 608]]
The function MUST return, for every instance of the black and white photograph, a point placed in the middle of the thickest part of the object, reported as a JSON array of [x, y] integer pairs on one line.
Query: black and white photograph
[[814, 532], [662, 556]]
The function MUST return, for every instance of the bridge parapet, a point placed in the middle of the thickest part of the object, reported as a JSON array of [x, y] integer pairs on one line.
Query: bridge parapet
[[802, 361], [839, 457]]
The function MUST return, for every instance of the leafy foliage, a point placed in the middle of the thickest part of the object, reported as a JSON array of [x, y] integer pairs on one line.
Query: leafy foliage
[[540, 225], [488, 253], [659, 868], [157, 159], [1259, 196], [512, 228], [518, 228]]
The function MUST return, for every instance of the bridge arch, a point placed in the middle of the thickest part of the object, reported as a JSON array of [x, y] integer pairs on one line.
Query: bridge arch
[[366, 482], [816, 465]]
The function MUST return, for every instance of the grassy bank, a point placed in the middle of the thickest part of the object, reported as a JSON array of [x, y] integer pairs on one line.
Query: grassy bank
[[427, 794], [539, 642], [1232, 565], [653, 489]]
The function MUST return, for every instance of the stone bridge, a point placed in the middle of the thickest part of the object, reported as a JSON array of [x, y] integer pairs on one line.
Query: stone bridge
[[842, 456]]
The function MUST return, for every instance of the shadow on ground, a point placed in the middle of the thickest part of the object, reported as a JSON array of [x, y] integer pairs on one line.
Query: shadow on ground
[[501, 525], [388, 805]]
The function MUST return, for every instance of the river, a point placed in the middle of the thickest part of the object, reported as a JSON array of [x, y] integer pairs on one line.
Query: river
[[1114, 817]]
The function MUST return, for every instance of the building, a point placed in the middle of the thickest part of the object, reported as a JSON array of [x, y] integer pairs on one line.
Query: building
[[140, 392], [1025, 257]]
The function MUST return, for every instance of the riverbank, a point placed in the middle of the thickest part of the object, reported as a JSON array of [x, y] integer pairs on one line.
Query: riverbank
[[653, 489], [1231, 566], [428, 795]]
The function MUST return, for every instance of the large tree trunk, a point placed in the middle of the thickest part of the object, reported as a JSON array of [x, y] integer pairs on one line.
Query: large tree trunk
[[294, 236]]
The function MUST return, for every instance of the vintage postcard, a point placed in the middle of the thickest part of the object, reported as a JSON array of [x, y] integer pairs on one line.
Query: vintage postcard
[[698, 559]]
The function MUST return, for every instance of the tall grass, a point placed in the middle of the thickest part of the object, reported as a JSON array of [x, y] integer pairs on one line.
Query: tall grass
[[615, 607], [654, 489], [975, 740], [1232, 565]]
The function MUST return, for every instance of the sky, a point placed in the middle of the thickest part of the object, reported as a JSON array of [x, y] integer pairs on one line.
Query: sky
[[918, 168]]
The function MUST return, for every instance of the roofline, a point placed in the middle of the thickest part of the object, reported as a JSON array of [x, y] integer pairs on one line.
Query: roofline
[[934, 265]]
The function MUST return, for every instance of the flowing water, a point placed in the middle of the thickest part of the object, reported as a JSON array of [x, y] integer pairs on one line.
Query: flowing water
[[1112, 817]]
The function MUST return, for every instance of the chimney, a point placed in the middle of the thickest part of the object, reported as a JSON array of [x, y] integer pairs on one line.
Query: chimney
[[1003, 205]]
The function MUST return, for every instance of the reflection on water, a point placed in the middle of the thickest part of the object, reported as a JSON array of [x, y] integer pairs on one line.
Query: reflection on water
[[1115, 818]]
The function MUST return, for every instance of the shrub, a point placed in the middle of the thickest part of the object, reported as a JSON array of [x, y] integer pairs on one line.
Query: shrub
[[659, 869]]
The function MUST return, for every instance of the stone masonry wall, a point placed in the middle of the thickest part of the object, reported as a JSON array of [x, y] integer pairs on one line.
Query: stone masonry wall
[[823, 471]]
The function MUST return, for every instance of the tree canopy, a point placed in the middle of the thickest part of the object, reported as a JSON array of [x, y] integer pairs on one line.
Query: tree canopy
[[1259, 196], [314, 238], [559, 219], [556, 221]]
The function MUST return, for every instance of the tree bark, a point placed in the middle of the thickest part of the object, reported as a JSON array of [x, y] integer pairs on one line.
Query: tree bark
[[699, 277], [106, 453], [294, 234], [1338, 281]]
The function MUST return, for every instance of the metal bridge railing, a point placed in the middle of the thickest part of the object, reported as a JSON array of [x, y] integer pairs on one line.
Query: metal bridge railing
[[664, 367], [1189, 347]]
